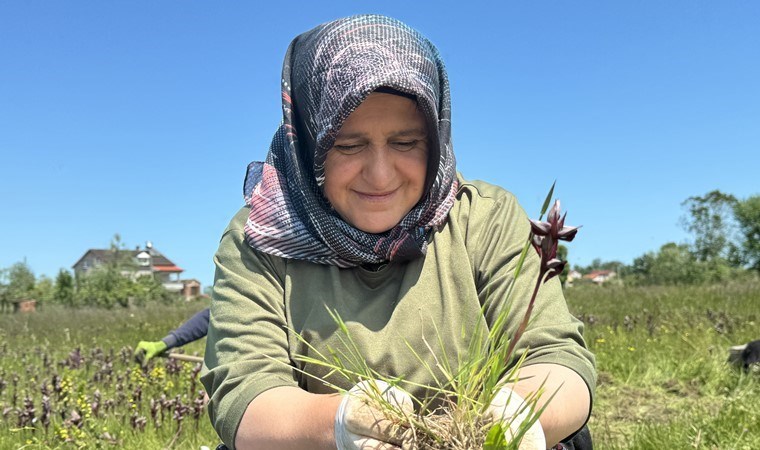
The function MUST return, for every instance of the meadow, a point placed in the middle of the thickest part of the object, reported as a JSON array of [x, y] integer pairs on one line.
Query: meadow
[[67, 378], [663, 380]]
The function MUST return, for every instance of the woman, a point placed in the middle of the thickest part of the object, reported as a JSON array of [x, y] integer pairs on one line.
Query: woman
[[358, 209]]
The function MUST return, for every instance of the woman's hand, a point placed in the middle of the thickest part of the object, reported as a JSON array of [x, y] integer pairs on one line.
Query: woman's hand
[[511, 409], [360, 425]]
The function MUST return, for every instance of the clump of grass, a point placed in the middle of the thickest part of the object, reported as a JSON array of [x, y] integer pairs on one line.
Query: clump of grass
[[454, 413]]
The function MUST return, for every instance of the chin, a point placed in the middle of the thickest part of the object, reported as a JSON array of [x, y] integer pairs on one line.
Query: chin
[[375, 227]]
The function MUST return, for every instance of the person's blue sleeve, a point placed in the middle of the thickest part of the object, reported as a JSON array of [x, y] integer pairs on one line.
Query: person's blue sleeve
[[190, 331]]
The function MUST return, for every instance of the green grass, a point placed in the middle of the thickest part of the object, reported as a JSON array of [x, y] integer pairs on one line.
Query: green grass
[[661, 356], [35, 348]]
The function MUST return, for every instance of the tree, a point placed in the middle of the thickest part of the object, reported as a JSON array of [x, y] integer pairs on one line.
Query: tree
[[747, 213], [63, 292], [677, 264], [4, 297], [711, 219], [44, 289], [21, 282], [105, 286], [672, 264], [119, 259]]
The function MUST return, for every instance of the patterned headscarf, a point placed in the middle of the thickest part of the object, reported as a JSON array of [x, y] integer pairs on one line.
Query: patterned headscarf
[[327, 73]]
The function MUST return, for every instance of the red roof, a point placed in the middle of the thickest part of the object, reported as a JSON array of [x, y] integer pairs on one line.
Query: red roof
[[166, 269], [597, 273]]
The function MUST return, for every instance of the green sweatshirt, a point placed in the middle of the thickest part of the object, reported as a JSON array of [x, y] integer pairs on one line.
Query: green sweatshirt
[[431, 304]]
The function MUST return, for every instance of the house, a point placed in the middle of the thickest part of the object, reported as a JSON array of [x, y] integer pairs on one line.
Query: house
[[142, 262], [572, 276], [599, 276], [191, 288], [24, 306]]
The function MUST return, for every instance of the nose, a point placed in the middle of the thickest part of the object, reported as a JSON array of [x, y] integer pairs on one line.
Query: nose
[[379, 167]]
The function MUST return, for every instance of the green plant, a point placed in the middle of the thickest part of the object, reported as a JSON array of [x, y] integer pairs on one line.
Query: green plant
[[453, 416]]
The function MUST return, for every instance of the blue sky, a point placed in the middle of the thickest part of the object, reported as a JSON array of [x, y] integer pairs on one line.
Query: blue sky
[[139, 117]]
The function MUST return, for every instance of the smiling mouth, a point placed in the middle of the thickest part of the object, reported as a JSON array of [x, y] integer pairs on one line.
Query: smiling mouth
[[376, 197]]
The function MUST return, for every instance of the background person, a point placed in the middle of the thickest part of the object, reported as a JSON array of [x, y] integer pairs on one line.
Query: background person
[[358, 208]]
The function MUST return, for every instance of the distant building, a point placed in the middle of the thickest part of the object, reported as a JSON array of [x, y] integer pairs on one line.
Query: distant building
[[600, 276], [24, 306], [146, 261], [191, 288], [572, 276]]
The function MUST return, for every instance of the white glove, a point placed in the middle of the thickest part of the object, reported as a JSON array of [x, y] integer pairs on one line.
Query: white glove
[[361, 426], [512, 410]]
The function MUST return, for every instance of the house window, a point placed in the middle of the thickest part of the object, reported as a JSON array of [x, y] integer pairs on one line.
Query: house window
[[143, 259]]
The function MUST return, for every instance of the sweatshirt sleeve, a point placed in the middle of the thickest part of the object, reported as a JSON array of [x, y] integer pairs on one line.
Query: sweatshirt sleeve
[[247, 345], [190, 331]]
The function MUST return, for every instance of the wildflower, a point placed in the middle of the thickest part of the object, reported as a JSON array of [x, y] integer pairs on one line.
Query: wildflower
[[75, 359], [546, 237], [46, 411], [26, 416]]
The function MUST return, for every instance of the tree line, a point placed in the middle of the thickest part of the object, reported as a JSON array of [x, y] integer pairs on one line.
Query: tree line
[[107, 285], [724, 245]]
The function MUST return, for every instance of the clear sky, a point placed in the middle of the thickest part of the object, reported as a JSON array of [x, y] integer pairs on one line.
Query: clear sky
[[139, 117]]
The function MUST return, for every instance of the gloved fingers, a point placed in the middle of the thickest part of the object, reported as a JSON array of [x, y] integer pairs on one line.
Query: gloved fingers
[[365, 420], [533, 440], [147, 350], [367, 443], [399, 399], [140, 347], [510, 408], [376, 410], [140, 353], [139, 356], [507, 404]]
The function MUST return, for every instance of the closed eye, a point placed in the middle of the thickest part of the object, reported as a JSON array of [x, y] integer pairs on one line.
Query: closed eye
[[349, 149], [404, 146]]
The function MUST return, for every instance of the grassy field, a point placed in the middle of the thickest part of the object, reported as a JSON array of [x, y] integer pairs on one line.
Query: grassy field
[[82, 359], [661, 357], [661, 352]]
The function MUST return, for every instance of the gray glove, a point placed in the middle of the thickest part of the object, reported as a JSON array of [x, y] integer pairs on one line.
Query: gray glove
[[360, 425]]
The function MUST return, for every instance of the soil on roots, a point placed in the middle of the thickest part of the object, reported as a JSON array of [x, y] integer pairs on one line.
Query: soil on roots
[[444, 432]]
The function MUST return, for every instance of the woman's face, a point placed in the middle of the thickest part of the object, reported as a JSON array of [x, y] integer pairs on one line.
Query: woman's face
[[375, 171]]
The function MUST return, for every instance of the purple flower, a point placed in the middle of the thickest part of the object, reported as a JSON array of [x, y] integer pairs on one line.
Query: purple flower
[[546, 237]]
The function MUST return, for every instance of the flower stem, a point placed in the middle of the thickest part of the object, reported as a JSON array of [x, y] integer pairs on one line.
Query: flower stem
[[526, 318]]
